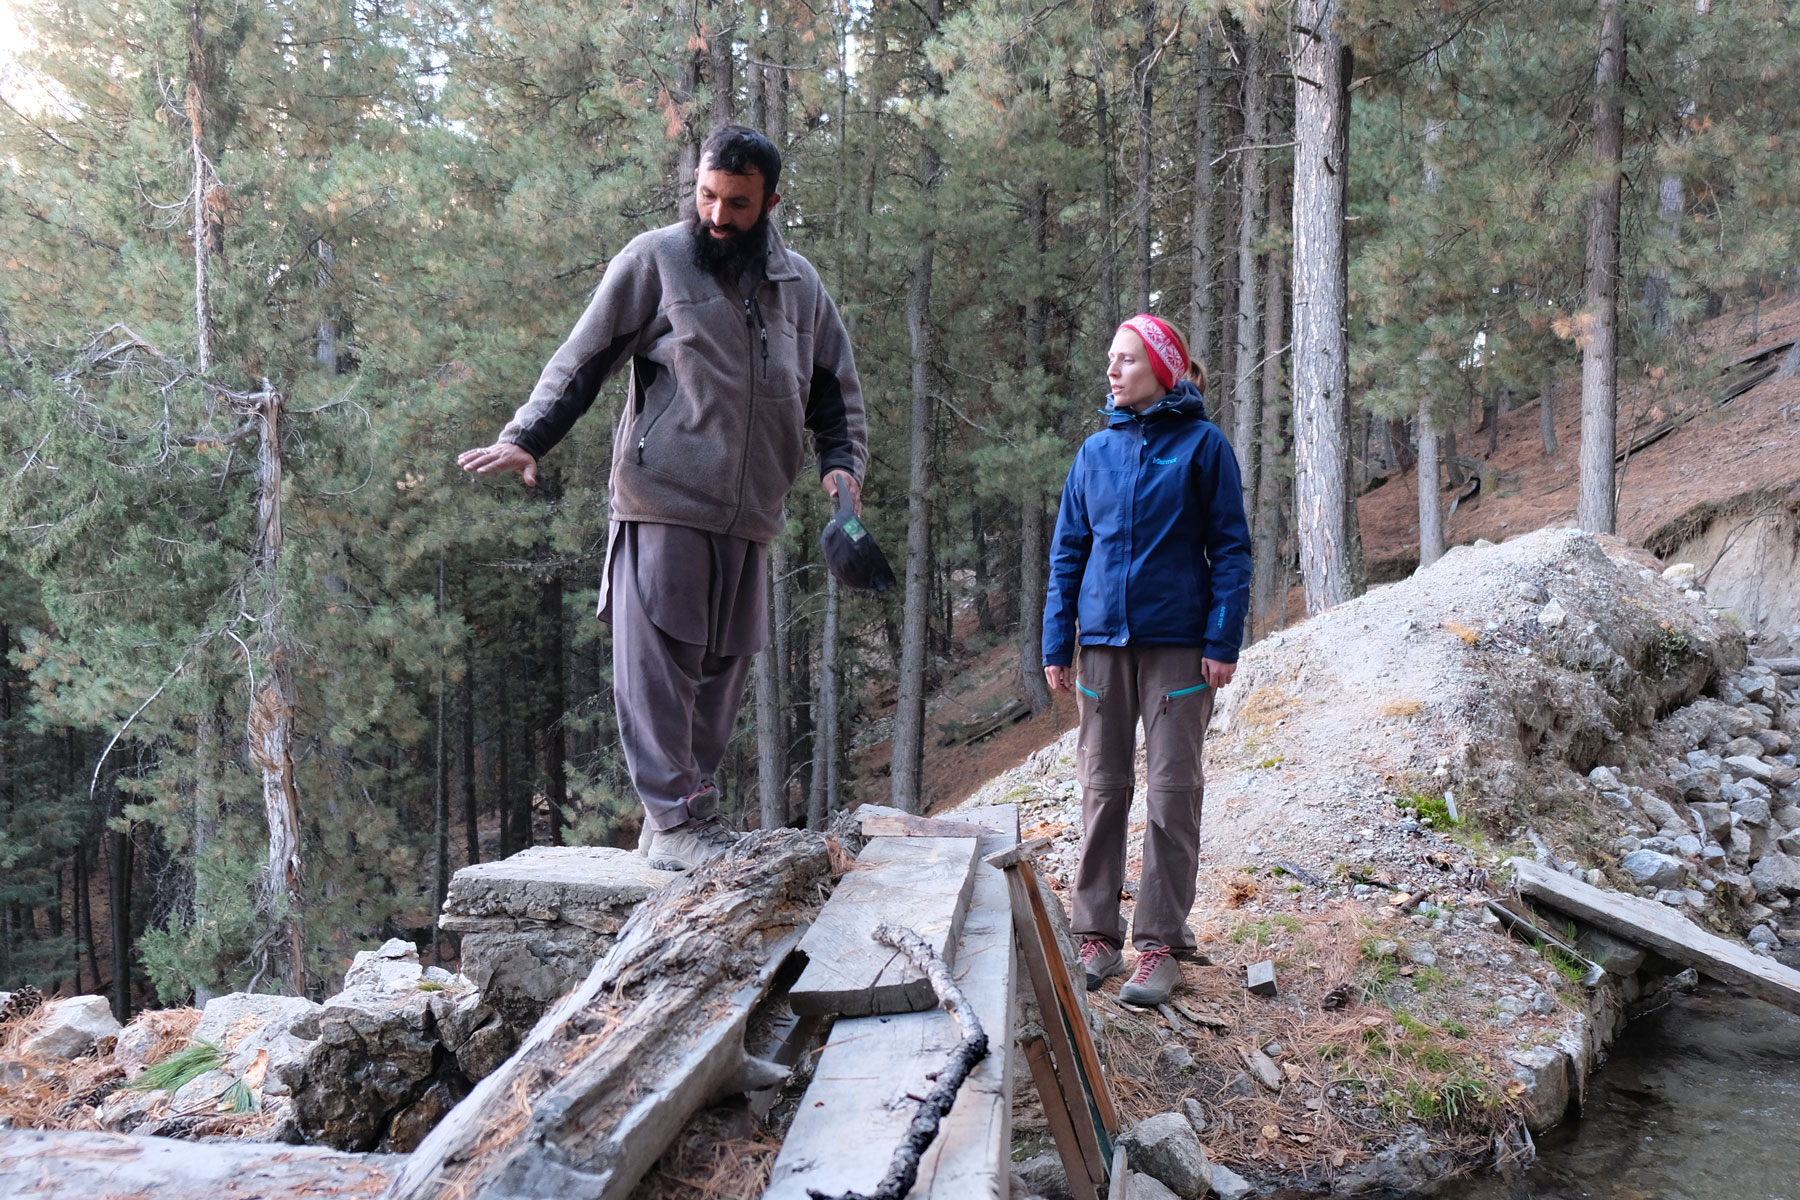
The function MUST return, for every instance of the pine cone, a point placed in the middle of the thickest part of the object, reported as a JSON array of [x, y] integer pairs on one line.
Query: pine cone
[[21, 1004]]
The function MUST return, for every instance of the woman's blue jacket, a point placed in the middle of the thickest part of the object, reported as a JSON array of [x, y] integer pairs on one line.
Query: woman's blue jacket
[[1151, 544]]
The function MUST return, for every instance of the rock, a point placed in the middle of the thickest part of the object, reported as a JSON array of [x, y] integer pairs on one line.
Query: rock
[[394, 967], [72, 1027], [1762, 935], [1174, 1057], [1696, 786], [1679, 573], [1406, 1166], [1044, 1176], [1714, 817], [1259, 978], [1544, 1072], [1619, 957], [1166, 1148], [1553, 614], [1262, 1067], [1421, 953], [1196, 1116], [1741, 747], [242, 1024], [534, 924], [131, 1054], [1229, 1185], [1148, 1187], [1673, 897], [1688, 845], [1753, 811], [1651, 869], [1731, 723], [1783, 776], [1776, 874], [1749, 765], [1533, 593], [1787, 816], [374, 1059], [1660, 811], [1774, 741]]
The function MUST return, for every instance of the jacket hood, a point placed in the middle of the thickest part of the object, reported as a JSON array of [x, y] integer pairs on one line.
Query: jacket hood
[[1185, 400]]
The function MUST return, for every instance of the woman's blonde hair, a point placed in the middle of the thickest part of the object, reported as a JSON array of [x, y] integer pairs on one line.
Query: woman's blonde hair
[[1196, 373]]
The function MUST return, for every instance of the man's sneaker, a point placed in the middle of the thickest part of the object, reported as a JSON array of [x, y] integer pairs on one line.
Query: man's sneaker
[[694, 842], [1156, 978], [1101, 960]]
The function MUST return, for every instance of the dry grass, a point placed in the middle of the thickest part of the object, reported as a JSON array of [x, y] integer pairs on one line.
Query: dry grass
[[173, 1027], [1391, 1051], [1267, 705], [721, 1154], [54, 1094], [1401, 708]]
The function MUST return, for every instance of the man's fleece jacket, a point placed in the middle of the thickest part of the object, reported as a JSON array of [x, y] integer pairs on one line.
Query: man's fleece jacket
[[722, 388], [1151, 544]]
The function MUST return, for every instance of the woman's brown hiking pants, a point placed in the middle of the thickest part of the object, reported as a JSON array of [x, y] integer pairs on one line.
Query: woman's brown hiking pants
[[1163, 686]]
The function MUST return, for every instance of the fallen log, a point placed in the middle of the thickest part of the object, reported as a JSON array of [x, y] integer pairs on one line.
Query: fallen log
[[114, 1166], [610, 1075]]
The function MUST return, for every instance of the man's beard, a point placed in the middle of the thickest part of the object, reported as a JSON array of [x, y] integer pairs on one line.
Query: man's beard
[[727, 258]]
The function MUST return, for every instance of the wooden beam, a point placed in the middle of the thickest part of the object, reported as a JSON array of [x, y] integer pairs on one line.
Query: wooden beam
[[856, 1108], [900, 824], [99, 1166], [1065, 994], [922, 883], [1056, 1112], [1017, 854], [609, 1076], [1661, 928]]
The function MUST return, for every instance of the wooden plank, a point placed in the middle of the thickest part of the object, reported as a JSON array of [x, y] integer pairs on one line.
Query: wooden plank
[[1121, 1175], [1661, 928], [900, 824], [1091, 1134], [857, 1108], [115, 1166], [921, 883], [1065, 990], [1056, 1112], [1017, 854]]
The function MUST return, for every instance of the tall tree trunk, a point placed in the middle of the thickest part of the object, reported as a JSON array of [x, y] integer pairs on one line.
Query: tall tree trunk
[[775, 94], [1321, 166], [440, 809], [1206, 127], [1547, 414], [553, 734], [1597, 510], [687, 24], [471, 815], [771, 794], [1109, 232], [1431, 507], [1266, 539], [1033, 562], [1146, 162], [271, 717], [825, 769], [202, 196], [723, 24], [909, 724], [1244, 399], [118, 902], [509, 839]]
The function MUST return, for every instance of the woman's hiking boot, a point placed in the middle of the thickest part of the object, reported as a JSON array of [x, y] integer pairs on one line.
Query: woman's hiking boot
[[1101, 960], [1155, 980]]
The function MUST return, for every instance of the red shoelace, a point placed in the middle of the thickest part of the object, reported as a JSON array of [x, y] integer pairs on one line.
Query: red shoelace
[[1148, 961], [1095, 947]]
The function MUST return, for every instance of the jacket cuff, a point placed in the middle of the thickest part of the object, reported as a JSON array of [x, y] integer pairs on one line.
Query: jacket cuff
[[1219, 653], [844, 460]]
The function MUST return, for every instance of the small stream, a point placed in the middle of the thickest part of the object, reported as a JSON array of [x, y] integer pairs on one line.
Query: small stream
[[1699, 1101]]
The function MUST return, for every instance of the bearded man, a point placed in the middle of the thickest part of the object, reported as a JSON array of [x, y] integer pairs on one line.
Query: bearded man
[[736, 351]]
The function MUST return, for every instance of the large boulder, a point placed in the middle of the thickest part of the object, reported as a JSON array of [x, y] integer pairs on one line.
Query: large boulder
[[1651, 869], [1543, 1074], [1776, 874], [246, 1024], [533, 925], [1166, 1148], [72, 1027]]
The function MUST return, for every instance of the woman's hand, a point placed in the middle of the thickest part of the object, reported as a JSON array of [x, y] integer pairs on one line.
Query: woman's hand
[[1217, 674], [1060, 679]]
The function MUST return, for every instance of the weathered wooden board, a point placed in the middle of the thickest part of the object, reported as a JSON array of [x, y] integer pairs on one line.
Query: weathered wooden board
[[1661, 928], [608, 1077], [880, 821], [114, 1166], [921, 883], [857, 1107]]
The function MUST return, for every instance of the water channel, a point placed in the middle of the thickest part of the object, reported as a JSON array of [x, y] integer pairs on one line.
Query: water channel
[[1698, 1101]]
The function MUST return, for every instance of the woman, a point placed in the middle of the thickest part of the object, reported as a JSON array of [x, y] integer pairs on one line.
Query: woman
[[1151, 560]]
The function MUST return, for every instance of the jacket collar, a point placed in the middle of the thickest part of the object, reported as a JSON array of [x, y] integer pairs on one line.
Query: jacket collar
[[1184, 401], [779, 266]]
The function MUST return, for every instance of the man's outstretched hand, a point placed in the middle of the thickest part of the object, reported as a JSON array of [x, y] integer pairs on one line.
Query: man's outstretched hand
[[840, 479], [501, 456]]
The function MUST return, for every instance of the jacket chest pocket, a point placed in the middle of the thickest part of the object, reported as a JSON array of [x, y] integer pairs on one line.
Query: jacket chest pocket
[[777, 358]]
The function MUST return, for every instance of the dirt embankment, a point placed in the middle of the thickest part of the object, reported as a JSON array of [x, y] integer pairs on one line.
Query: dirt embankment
[[1368, 773]]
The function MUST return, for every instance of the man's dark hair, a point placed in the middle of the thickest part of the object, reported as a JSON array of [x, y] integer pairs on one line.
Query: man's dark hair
[[739, 150]]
